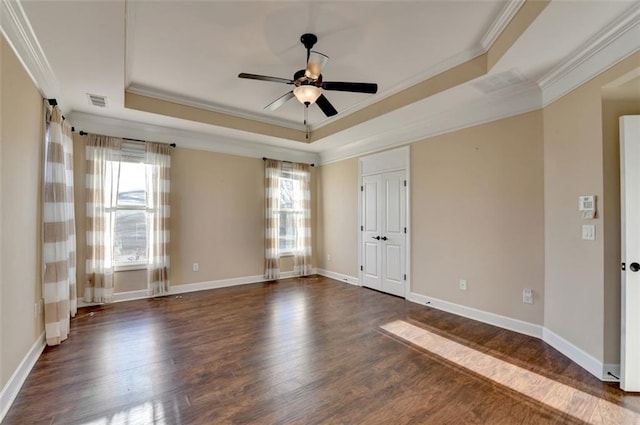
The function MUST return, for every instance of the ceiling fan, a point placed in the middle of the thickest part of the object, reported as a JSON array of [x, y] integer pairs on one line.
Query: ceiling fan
[[308, 82]]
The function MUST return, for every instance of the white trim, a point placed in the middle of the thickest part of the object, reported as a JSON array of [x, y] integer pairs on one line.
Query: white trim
[[339, 276], [194, 287], [566, 348], [504, 322], [433, 71], [209, 106], [510, 102], [612, 44], [581, 357], [506, 15], [13, 385], [20, 35], [185, 138], [407, 223]]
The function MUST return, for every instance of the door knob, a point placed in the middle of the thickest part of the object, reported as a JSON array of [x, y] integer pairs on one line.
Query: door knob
[[384, 238], [634, 267], [375, 237]]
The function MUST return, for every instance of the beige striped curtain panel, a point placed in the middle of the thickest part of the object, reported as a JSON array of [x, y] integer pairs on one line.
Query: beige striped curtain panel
[[103, 160], [272, 169], [302, 205], [158, 167], [59, 239]]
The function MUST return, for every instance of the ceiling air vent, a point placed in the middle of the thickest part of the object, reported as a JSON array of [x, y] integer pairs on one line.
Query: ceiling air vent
[[97, 100], [496, 82]]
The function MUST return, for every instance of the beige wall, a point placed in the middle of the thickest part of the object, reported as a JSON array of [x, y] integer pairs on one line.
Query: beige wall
[[477, 214], [217, 218], [337, 218], [574, 155], [21, 144]]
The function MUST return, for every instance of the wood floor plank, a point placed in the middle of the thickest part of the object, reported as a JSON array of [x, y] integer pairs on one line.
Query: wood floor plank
[[300, 351]]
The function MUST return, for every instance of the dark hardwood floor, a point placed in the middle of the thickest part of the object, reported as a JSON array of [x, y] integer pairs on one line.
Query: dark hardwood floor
[[300, 351]]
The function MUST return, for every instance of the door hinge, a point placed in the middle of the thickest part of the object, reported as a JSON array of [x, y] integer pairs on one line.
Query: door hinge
[[405, 277], [405, 183], [361, 188], [361, 268], [361, 228], [405, 230], [624, 266]]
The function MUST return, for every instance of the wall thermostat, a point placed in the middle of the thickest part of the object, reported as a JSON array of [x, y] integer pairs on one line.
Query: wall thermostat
[[587, 206]]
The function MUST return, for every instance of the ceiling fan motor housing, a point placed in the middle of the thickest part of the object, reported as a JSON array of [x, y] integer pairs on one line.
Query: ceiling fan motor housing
[[308, 40]]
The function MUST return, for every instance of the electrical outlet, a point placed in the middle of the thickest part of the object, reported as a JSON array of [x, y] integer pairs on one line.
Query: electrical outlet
[[463, 284], [195, 267], [36, 309], [527, 296], [328, 258]]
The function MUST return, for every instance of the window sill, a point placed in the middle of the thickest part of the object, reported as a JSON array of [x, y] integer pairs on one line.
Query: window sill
[[287, 254], [130, 267]]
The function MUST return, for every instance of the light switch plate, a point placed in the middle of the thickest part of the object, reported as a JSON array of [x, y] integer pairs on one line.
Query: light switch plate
[[588, 232]]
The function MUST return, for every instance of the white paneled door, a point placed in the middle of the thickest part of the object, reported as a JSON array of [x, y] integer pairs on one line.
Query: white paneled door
[[630, 196], [384, 232]]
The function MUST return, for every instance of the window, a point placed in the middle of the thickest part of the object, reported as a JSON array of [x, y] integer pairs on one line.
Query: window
[[289, 210], [129, 213]]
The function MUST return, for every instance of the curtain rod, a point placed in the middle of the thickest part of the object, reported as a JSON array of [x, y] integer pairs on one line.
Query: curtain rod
[[54, 102], [84, 133], [289, 162]]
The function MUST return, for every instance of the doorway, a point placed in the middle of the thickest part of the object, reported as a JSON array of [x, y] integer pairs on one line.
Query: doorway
[[384, 236]]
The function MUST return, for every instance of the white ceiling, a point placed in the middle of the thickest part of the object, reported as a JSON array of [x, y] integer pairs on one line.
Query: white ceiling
[[191, 52]]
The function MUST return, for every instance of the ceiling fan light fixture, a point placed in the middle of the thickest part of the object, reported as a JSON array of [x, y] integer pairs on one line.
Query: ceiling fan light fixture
[[316, 62], [307, 94]]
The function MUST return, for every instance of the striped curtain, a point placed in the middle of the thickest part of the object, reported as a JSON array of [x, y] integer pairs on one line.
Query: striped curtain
[[272, 219], [59, 239], [103, 168], [158, 167], [302, 205]]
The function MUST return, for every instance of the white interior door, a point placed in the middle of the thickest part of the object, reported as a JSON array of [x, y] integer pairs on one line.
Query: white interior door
[[630, 208], [383, 232], [393, 236], [371, 232]]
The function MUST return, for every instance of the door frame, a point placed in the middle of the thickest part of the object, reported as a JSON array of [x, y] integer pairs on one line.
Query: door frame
[[386, 161]]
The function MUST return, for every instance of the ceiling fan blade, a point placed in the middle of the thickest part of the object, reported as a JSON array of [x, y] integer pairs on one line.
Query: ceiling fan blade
[[352, 87], [326, 106], [265, 78], [279, 101]]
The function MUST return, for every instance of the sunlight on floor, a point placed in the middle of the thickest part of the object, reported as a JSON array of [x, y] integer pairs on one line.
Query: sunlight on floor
[[147, 413], [556, 395]]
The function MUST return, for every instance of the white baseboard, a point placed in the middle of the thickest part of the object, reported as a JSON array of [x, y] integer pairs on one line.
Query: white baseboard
[[574, 353], [193, 287], [479, 315], [13, 385], [339, 276], [581, 357]]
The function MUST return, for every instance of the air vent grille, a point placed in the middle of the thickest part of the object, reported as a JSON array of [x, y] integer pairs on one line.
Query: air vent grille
[[496, 82], [97, 100]]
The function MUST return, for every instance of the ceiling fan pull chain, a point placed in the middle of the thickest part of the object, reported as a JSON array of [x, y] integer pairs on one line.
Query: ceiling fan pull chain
[[306, 120]]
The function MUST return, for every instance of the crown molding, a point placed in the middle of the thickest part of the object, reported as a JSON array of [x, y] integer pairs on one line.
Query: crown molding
[[609, 46], [506, 15], [433, 71], [185, 138], [187, 101], [19, 34], [514, 101]]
